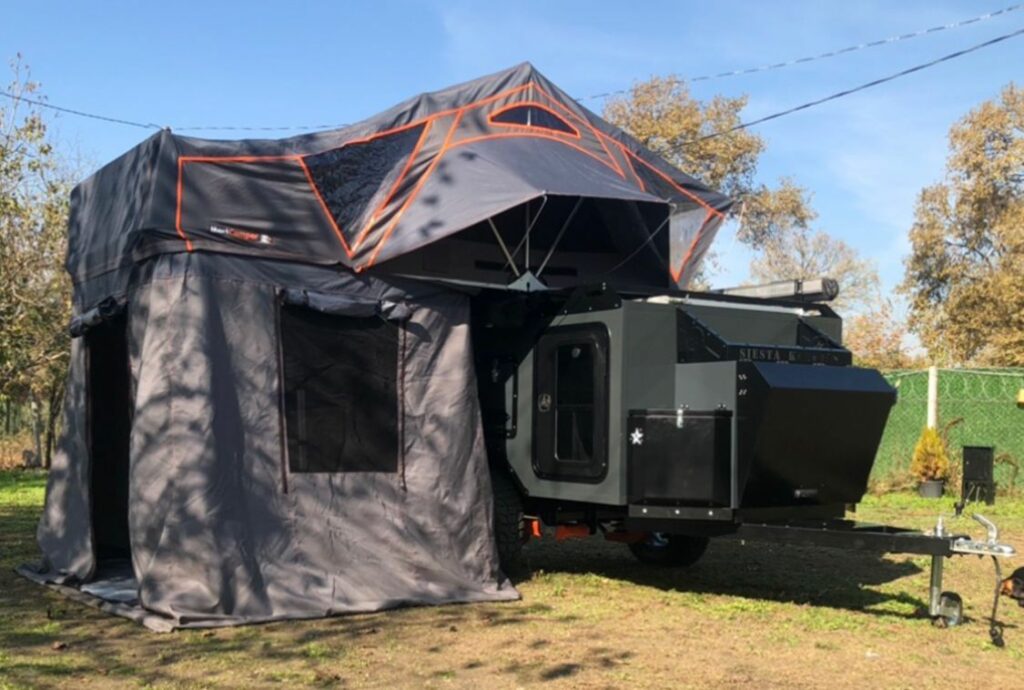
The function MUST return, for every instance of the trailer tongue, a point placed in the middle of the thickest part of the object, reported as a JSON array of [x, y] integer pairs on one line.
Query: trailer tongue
[[666, 421], [945, 608]]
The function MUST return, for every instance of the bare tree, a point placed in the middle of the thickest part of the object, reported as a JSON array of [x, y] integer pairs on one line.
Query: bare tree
[[800, 253]]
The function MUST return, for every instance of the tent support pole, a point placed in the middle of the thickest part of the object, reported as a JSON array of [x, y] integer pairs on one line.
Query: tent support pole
[[526, 238], [650, 238], [558, 237], [504, 249]]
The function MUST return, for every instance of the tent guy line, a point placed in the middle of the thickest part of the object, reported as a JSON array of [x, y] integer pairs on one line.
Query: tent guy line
[[742, 125]]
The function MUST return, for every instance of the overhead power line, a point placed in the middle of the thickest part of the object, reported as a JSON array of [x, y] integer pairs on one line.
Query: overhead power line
[[823, 56], [71, 111], [149, 125], [855, 89], [281, 128]]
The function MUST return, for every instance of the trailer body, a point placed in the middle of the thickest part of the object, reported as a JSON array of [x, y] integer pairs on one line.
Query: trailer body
[[685, 408], [664, 421]]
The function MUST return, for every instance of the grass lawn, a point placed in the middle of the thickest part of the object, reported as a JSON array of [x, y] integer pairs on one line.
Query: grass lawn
[[590, 616]]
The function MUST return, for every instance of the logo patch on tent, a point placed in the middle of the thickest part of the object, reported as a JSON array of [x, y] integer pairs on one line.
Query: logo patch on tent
[[241, 235]]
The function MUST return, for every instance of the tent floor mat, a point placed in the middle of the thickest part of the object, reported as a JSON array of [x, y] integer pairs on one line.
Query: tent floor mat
[[115, 592], [114, 582]]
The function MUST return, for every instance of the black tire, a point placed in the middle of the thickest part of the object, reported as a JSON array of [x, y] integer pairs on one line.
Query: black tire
[[669, 550], [509, 524]]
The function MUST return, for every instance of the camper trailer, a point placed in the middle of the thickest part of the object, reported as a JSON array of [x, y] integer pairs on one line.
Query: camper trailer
[[663, 421], [305, 371]]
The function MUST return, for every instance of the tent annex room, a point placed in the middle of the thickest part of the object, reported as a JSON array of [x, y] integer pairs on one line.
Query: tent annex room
[[272, 408]]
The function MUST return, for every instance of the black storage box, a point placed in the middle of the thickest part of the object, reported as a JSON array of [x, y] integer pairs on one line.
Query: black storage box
[[979, 481], [678, 458]]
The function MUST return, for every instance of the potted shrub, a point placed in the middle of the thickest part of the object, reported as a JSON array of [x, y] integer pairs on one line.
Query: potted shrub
[[930, 464]]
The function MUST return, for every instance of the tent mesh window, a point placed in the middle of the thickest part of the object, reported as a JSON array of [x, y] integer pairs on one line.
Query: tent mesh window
[[358, 177], [532, 116], [340, 391]]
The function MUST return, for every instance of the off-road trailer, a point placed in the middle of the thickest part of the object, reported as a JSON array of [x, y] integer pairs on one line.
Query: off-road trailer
[[665, 421]]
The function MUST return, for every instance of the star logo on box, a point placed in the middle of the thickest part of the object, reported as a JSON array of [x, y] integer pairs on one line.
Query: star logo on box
[[637, 437]]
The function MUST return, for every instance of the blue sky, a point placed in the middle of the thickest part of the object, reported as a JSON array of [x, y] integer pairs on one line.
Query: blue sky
[[864, 158]]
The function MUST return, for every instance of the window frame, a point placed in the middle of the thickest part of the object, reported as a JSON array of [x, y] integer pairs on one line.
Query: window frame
[[546, 463]]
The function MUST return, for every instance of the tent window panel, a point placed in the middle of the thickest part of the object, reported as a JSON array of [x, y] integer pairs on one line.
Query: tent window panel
[[341, 391], [533, 116], [356, 178]]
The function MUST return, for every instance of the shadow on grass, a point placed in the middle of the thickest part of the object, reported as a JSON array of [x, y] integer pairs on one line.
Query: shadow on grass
[[95, 646], [824, 577], [48, 641]]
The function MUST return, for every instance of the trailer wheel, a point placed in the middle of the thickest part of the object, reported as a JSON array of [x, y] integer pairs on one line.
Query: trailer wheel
[[509, 524], [669, 550]]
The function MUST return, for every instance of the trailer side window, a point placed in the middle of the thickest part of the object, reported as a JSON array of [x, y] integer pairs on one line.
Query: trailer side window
[[570, 411], [340, 391], [574, 414]]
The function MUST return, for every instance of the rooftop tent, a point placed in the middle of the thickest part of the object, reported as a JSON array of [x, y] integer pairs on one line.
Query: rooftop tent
[[272, 409], [481, 170]]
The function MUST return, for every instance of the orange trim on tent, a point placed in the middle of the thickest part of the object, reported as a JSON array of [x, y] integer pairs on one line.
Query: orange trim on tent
[[676, 275], [235, 159], [554, 135], [465, 142], [632, 169], [530, 135], [177, 213], [575, 133], [482, 101], [588, 125], [375, 136], [217, 160], [415, 191], [682, 190], [395, 186], [257, 159], [323, 205]]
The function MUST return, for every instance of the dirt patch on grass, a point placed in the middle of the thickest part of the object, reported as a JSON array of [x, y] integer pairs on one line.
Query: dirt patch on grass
[[591, 617]]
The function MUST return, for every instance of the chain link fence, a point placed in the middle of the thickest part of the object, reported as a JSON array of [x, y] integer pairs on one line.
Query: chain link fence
[[978, 407]]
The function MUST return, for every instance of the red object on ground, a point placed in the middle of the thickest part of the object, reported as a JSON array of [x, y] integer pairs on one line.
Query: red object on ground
[[563, 532]]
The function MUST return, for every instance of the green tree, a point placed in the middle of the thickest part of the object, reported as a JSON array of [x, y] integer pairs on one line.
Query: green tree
[[965, 272], [35, 295]]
